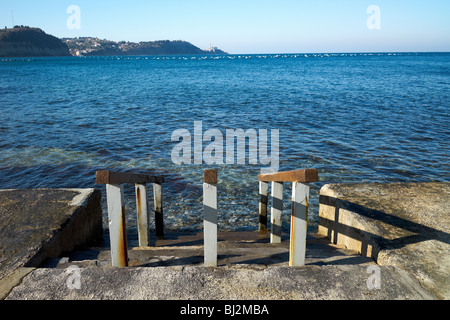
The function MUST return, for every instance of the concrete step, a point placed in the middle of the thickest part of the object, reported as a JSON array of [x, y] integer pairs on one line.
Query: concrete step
[[243, 248], [248, 268], [46, 251]]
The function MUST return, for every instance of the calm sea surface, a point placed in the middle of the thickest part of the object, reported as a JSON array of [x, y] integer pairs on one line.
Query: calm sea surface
[[354, 117]]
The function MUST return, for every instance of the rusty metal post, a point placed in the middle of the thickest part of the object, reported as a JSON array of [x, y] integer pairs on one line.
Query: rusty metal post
[[263, 198], [210, 217], [299, 218], [275, 213], [117, 225], [159, 218], [142, 214]]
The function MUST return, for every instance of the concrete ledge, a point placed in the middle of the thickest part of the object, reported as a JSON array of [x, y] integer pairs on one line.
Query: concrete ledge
[[346, 282], [406, 225], [42, 223], [11, 280]]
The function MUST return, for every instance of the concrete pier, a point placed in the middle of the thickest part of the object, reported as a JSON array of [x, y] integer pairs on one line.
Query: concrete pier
[[406, 225], [248, 268], [377, 216], [44, 223]]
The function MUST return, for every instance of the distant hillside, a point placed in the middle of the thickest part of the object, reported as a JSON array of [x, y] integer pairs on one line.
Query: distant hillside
[[30, 42], [89, 46], [22, 41]]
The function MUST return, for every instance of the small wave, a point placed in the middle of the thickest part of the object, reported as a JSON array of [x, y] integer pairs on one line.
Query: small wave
[[59, 101]]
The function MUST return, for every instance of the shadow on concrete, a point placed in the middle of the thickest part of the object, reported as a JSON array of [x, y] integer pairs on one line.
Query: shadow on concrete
[[267, 260], [352, 260], [419, 231], [191, 260]]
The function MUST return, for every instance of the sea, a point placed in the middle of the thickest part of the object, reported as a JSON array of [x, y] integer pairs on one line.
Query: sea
[[355, 117]]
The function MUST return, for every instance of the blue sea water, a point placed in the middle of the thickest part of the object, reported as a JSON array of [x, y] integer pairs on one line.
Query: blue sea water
[[381, 117]]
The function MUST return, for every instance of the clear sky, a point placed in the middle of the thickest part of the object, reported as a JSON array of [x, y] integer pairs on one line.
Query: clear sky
[[249, 26]]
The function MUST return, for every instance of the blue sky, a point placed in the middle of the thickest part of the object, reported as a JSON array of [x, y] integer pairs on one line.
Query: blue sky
[[248, 26]]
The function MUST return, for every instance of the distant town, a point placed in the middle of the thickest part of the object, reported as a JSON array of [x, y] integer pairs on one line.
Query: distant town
[[88, 46]]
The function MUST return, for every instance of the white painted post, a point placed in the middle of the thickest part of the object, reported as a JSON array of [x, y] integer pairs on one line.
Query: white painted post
[[210, 218], [263, 194], [276, 210], [117, 225], [159, 218], [142, 214], [299, 217]]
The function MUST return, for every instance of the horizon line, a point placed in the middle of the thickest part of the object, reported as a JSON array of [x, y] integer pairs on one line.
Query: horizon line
[[306, 52]]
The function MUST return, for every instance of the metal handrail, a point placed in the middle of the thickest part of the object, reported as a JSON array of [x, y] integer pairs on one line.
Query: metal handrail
[[300, 198], [116, 210]]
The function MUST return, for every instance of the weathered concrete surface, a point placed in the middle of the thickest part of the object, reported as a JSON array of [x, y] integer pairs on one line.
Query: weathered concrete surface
[[218, 283], [42, 223], [248, 268], [406, 225], [234, 248]]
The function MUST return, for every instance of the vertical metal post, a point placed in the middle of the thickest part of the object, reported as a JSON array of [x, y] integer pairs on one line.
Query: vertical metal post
[[117, 225], [210, 217], [142, 214], [263, 197], [159, 220], [275, 213], [299, 217]]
